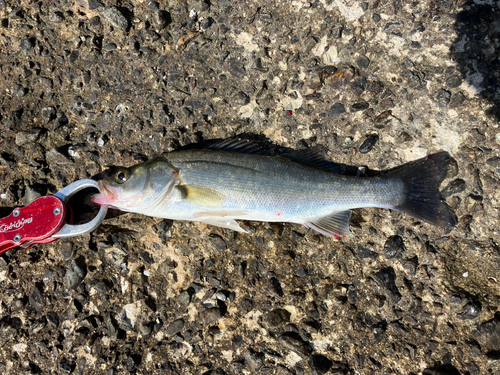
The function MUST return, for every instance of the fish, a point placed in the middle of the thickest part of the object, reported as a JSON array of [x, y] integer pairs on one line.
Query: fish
[[235, 180]]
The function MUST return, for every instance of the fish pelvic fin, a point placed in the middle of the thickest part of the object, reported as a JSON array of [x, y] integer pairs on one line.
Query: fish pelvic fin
[[335, 225], [223, 222], [422, 199]]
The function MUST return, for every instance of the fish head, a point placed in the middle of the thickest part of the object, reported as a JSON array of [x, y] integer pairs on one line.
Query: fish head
[[140, 188]]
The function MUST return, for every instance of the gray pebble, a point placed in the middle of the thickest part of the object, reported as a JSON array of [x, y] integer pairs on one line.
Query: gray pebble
[[112, 326], [455, 299], [154, 5], [241, 98], [31, 194], [218, 242], [257, 65], [28, 136], [337, 32], [110, 47], [453, 82], [471, 310], [337, 109], [443, 98], [301, 272], [408, 63], [236, 68], [320, 364], [74, 56], [54, 157], [276, 319], [57, 17], [128, 316], [89, 4], [368, 144], [76, 273], [101, 287], [115, 18], [457, 100], [214, 282], [147, 257], [473, 369], [488, 334], [362, 62], [359, 106], [47, 82], [206, 23], [175, 327], [293, 341], [455, 187], [65, 365], [394, 247], [17, 14], [36, 298], [184, 298], [365, 253], [254, 360], [386, 278], [211, 315], [379, 332], [275, 287], [195, 287], [66, 247], [20, 90]]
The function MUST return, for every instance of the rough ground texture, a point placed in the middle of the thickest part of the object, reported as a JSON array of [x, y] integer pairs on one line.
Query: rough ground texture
[[88, 85]]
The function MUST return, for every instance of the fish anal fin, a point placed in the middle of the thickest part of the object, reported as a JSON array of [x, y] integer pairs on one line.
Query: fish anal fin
[[222, 222], [201, 195], [335, 225]]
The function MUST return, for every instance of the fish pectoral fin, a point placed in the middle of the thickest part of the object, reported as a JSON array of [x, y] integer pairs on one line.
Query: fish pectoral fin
[[223, 223], [201, 195], [335, 225]]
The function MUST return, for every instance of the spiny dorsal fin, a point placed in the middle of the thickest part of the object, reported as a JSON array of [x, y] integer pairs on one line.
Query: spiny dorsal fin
[[243, 146], [313, 157], [335, 225]]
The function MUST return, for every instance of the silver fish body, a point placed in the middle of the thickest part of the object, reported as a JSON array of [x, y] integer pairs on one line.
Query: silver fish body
[[217, 186]]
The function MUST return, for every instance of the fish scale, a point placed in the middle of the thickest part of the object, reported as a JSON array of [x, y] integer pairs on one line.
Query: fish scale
[[280, 185]]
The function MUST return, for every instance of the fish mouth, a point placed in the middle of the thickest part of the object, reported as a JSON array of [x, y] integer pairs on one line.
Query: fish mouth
[[106, 195]]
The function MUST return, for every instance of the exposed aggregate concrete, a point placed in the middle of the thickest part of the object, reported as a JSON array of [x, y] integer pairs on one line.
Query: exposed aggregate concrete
[[88, 85]]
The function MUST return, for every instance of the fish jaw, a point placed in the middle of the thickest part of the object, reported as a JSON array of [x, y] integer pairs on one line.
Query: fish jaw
[[108, 196]]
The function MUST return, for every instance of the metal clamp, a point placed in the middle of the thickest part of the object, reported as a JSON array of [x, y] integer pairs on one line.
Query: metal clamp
[[69, 230]]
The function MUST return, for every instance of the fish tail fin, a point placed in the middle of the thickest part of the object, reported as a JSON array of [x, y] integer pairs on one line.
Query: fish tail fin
[[422, 198]]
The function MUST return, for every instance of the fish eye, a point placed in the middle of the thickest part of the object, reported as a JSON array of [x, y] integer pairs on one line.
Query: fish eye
[[122, 176]]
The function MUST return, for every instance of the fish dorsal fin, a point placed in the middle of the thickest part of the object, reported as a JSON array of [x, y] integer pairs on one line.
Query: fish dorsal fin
[[313, 157], [201, 195], [335, 225], [243, 146]]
